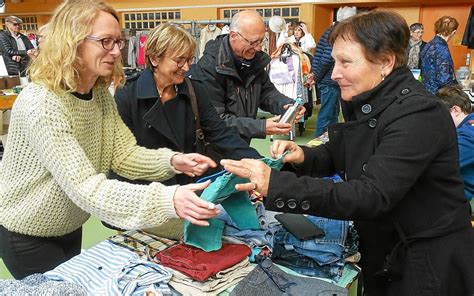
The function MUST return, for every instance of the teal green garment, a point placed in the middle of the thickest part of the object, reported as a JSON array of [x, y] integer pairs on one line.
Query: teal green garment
[[237, 205]]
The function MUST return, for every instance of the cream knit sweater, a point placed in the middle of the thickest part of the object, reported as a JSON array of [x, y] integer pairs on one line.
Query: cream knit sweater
[[54, 167]]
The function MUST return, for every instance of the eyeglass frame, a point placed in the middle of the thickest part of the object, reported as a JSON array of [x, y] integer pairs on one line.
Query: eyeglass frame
[[15, 24], [252, 44], [182, 61], [120, 42], [418, 32]]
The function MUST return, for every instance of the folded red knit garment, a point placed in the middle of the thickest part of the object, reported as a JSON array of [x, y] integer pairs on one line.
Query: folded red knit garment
[[201, 265]]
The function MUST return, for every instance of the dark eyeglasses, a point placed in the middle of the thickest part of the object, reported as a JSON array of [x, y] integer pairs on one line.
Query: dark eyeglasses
[[108, 43], [16, 24], [181, 61], [255, 43]]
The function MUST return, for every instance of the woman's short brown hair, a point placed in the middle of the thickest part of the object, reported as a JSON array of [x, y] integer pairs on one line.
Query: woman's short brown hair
[[446, 25], [380, 33], [168, 38]]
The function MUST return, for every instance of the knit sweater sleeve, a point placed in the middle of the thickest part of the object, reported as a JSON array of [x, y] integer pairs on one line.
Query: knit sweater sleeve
[[135, 162], [64, 139]]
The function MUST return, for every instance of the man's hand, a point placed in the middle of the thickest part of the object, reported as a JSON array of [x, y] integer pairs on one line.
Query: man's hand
[[273, 127], [192, 164], [32, 53], [16, 58], [309, 82], [301, 111]]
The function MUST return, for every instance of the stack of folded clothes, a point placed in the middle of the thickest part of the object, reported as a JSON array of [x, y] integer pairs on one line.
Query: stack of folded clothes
[[196, 272]]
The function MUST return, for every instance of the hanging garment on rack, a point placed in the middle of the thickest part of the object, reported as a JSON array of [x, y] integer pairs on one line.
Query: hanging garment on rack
[[266, 43], [132, 52], [306, 43], [209, 32], [289, 70], [141, 51], [124, 53]]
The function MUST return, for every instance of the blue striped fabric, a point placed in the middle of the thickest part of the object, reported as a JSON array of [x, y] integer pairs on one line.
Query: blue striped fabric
[[107, 269]]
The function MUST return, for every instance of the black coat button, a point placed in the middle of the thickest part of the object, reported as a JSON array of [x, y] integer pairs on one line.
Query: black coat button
[[364, 167], [279, 203], [305, 205], [372, 122], [366, 109], [405, 91], [291, 203]]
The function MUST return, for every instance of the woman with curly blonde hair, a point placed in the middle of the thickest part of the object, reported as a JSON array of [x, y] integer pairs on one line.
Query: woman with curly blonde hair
[[66, 135]]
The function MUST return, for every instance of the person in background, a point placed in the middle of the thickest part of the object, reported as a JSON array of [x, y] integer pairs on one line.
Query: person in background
[[41, 33], [460, 109], [157, 104], [301, 37], [232, 72], [66, 134], [437, 67], [399, 158], [322, 66], [415, 46], [15, 47]]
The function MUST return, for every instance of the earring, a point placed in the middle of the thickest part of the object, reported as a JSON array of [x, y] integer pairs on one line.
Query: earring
[[383, 76]]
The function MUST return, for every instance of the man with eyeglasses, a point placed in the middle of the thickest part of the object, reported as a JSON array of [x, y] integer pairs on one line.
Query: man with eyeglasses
[[232, 71], [15, 47]]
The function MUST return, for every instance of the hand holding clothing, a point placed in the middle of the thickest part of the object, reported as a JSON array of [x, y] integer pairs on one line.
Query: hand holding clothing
[[295, 155], [191, 207], [192, 164], [255, 170]]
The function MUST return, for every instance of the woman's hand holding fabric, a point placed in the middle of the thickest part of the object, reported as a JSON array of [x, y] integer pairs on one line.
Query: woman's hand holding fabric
[[192, 164], [191, 207], [255, 170], [295, 155]]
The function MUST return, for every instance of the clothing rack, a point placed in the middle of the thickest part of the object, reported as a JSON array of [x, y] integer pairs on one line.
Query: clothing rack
[[194, 23]]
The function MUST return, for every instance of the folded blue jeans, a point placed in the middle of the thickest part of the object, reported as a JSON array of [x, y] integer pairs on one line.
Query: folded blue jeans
[[237, 205], [325, 250], [305, 265]]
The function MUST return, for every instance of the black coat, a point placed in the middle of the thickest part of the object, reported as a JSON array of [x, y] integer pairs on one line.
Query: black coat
[[9, 48], [173, 125], [237, 95], [400, 161], [468, 38]]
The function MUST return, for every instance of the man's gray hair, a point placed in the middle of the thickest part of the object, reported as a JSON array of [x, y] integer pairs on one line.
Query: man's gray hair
[[345, 13], [237, 18]]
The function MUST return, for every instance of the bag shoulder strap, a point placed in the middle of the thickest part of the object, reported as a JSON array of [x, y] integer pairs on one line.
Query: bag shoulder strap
[[192, 94]]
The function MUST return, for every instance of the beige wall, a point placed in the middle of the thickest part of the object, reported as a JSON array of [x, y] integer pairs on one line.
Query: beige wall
[[411, 14]]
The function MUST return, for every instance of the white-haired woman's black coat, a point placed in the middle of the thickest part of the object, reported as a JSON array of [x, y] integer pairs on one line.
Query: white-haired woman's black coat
[[403, 188]]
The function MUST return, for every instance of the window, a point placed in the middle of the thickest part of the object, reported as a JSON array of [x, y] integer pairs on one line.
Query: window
[[148, 20], [290, 13]]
